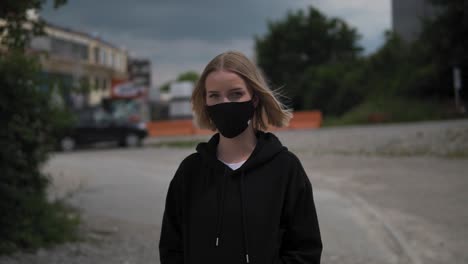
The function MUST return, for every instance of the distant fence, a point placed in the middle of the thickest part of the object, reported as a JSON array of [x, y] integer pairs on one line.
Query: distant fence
[[300, 120]]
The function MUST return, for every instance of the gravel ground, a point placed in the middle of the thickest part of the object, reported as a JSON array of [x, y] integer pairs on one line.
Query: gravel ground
[[444, 139], [110, 241], [410, 177], [413, 177], [103, 240]]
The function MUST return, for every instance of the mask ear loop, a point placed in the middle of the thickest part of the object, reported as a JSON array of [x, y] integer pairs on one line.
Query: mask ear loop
[[255, 101], [211, 121]]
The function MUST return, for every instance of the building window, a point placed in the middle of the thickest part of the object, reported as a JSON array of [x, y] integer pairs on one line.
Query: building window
[[96, 55], [111, 59], [103, 57], [104, 84], [117, 62], [96, 83], [69, 49]]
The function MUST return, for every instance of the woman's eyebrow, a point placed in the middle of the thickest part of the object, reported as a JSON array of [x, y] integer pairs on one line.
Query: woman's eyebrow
[[212, 92], [235, 89]]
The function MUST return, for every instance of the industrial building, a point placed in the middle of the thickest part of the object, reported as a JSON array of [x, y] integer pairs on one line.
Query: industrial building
[[407, 17]]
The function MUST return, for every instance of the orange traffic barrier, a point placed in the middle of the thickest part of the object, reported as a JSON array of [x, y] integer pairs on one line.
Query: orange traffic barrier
[[300, 120]]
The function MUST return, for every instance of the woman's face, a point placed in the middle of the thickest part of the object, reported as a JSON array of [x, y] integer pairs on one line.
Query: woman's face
[[224, 86]]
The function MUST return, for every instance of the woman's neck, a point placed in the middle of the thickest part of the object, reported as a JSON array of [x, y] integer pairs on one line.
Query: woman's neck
[[237, 149]]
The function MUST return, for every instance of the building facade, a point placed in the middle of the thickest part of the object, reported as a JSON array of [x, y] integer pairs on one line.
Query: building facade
[[407, 17], [91, 72], [139, 72], [80, 60]]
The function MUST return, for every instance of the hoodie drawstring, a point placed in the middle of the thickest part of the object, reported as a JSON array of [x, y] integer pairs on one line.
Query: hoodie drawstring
[[244, 216], [243, 213], [221, 208]]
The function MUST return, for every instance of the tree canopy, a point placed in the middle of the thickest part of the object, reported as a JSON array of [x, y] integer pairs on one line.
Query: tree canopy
[[190, 76], [446, 34], [18, 27], [301, 41]]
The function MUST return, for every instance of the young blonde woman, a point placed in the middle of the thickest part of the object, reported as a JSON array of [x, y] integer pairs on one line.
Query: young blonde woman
[[242, 197]]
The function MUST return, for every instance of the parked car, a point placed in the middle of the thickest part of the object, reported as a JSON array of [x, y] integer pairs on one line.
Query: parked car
[[96, 125]]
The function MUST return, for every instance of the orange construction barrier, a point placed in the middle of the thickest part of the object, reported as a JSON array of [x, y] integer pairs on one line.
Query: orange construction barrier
[[306, 119], [170, 128], [300, 120]]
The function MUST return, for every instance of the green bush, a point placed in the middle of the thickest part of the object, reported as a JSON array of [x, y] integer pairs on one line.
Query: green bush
[[34, 222], [29, 121]]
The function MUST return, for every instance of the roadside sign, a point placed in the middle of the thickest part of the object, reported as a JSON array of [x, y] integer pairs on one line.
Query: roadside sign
[[457, 82]]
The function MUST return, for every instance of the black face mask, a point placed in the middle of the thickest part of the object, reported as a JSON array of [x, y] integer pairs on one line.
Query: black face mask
[[231, 119]]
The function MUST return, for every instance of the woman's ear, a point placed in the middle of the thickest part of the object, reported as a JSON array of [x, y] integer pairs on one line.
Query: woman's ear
[[255, 100]]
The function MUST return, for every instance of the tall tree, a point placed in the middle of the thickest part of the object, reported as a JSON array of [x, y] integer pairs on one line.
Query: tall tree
[[447, 36], [300, 41], [18, 27], [190, 76]]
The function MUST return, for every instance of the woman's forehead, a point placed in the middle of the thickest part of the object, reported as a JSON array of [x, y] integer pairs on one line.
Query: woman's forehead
[[223, 80]]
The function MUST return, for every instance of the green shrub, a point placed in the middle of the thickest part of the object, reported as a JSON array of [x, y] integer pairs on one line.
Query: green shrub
[[29, 121]]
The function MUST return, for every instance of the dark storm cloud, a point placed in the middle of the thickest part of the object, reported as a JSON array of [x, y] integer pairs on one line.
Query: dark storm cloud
[[169, 20]]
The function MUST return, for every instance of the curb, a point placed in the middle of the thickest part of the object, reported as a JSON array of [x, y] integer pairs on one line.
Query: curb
[[398, 241]]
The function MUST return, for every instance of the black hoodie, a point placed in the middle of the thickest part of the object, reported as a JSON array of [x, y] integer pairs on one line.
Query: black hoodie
[[261, 213]]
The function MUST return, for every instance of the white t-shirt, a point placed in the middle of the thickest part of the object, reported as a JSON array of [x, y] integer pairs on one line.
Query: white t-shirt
[[234, 166]]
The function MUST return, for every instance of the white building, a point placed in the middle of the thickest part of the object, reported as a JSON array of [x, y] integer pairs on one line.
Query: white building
[[179, 100]]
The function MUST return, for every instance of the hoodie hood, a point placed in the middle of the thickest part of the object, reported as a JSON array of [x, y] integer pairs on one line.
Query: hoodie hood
[[267, 147]]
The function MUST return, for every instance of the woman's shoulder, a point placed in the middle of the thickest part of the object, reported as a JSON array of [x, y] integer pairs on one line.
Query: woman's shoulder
[[187, 165], [191, 160], [293, 165], [281, 152], [288, 157]]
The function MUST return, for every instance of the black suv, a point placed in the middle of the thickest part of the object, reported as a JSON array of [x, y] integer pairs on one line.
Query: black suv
[[98, 125]]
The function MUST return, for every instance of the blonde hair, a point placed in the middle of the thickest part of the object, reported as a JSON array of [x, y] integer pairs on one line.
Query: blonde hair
[[269, 111]]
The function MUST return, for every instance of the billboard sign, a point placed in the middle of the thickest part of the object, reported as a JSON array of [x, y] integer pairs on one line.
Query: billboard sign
[[127, 89]]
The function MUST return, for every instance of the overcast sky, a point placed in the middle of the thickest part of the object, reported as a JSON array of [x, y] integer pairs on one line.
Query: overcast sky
[[182, 35]]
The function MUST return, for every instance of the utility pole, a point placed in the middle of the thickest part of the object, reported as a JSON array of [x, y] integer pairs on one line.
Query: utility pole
[[457, 86]]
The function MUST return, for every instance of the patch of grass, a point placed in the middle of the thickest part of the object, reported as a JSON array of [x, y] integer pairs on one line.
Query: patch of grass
[[393, 109], [400, 152], [177, 144], [457, 154], [38, 223]]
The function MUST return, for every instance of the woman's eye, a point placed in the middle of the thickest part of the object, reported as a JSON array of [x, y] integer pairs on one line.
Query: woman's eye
[[238, 94], [213, 96]]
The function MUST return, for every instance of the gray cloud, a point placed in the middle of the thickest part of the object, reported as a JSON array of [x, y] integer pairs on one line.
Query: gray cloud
[[180, 35], [168, 20]]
